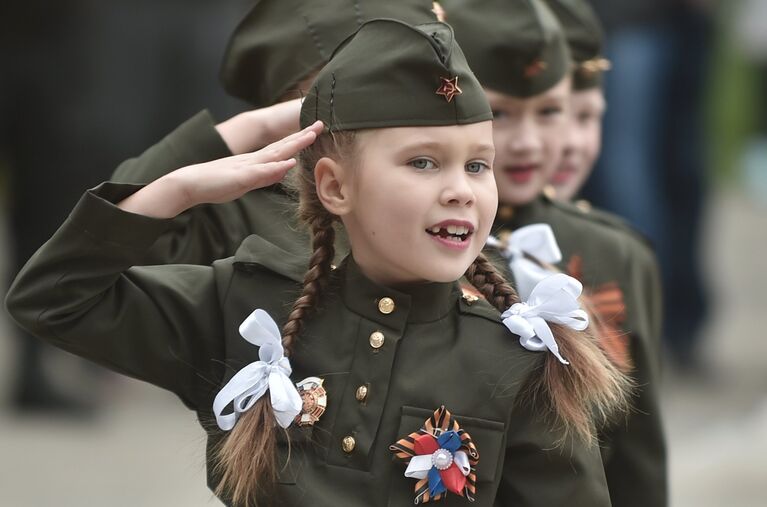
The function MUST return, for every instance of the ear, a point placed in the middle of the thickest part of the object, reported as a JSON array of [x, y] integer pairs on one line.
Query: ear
[[333, 188]]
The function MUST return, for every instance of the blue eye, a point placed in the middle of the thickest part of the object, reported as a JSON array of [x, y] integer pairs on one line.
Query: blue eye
[[476, 167], [422, 164]]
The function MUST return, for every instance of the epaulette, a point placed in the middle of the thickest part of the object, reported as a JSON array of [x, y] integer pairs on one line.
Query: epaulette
[[257, 251], [583, 209], [471, 304]]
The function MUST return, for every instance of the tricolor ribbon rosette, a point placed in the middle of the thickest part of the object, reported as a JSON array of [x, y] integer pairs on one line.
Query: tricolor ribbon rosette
[[555, 300], [271, 373], [441, 456], [523, 248]]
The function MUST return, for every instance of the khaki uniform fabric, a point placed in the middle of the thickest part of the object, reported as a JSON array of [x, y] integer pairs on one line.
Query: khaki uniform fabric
[[610, 253], [621, 281], [438, 349]]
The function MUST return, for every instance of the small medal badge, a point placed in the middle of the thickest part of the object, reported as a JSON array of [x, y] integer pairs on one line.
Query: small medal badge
[[441, 456], [449, 88], [315, 400]]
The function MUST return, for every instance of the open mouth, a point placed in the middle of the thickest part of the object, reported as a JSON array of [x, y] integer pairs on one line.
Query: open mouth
[[457, 233]]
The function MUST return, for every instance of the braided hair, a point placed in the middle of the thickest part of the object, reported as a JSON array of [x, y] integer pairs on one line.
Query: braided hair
[[245, 458], [581, 396]]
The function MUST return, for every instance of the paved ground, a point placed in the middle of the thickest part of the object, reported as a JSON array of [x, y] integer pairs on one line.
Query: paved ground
[[146, 450]]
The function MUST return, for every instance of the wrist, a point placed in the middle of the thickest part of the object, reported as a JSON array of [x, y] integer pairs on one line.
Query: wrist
[[244, 132], [163, 198]]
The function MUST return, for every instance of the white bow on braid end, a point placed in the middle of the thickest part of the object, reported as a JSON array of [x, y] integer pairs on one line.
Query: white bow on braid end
[[271, 373], [537, 241], [554, 299]]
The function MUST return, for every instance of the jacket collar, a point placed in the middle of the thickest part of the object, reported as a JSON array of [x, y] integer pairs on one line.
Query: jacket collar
[[424, 302]]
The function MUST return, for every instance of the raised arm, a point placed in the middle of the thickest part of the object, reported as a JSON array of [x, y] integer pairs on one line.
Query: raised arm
[[212, 231], [80, 292], [161, 324]]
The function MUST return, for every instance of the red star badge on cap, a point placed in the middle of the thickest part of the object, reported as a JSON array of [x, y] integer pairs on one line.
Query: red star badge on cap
[[449, 88], [535, 68]]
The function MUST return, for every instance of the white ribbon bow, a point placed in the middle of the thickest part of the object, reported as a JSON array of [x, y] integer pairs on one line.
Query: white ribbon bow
[[536, 240], [554, 299], [419, 466], [272, 372]]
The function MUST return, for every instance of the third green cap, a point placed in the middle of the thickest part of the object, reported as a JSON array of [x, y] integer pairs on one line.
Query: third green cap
[[516, 47], [585, 37]]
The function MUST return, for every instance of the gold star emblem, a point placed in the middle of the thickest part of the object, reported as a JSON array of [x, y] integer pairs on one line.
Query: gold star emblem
[[449, 88]]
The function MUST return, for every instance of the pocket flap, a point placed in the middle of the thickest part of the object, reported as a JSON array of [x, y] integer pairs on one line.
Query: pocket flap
[[488, 437]]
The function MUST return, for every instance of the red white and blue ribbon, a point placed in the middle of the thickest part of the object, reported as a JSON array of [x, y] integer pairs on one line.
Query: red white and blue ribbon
[[441, 456], [271, 372]]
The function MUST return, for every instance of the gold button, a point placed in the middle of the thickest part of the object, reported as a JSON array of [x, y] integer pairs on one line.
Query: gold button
[[348, 444], [377, 339], [386, 305], [362, 393]]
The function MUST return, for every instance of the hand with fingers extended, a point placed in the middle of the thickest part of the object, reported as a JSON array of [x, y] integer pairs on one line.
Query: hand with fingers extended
[[221, 180], [255, 129]]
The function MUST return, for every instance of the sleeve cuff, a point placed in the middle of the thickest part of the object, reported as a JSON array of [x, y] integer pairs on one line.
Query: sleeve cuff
[[199, 140], [97, 214]]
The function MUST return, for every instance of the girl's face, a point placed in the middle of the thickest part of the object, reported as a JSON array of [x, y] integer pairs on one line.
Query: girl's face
[[528, 135], [421, 201], [583, 142]]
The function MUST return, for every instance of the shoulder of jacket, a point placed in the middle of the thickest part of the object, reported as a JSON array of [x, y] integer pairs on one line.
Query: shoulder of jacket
[[487, 320], [257, 251], [470, 304], [582, 210]]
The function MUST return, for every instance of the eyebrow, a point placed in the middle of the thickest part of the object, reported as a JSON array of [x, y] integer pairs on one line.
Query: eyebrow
[[486, 147]]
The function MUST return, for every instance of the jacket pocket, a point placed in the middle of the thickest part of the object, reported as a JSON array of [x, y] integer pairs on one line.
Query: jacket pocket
[[488, 437]]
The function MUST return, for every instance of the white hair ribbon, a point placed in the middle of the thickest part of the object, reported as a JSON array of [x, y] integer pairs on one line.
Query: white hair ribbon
[[536, 240], [272, 372], [554, 299]]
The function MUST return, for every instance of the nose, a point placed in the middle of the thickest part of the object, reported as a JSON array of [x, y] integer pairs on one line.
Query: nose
[[570, 140], [524, 139], [457, 190]]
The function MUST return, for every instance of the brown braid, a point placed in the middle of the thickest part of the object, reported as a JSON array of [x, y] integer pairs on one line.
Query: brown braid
[[582, 395], [491, 284], [246, 459], [323, 239]]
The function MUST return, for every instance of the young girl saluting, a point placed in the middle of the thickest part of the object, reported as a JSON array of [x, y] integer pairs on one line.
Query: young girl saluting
[[394, 362]]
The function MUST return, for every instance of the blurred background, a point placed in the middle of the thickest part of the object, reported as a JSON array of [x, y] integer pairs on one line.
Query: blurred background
[[87, 84]]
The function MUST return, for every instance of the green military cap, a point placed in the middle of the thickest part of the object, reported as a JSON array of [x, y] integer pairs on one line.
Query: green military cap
[[516, 47], [585, 37], [391, 74], [281, 42]]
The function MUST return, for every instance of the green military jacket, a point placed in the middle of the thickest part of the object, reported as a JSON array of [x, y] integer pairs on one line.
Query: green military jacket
[[597, 248], [620, 275], [176, 326]]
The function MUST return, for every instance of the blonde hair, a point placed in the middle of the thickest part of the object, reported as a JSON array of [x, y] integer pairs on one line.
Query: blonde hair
[[579, 394]]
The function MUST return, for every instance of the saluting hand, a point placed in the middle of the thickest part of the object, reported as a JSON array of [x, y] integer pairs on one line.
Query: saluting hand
[[221, 180], [255, 129]]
